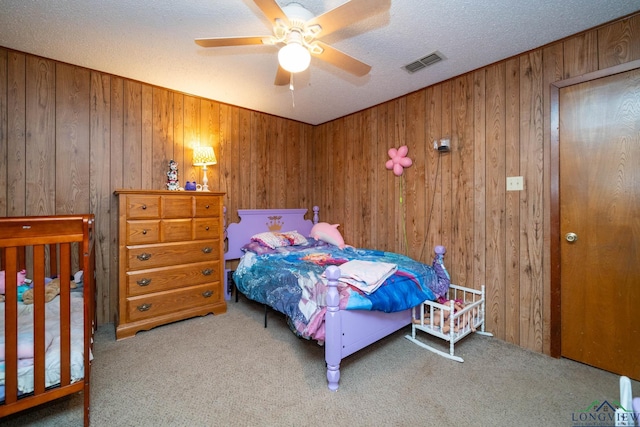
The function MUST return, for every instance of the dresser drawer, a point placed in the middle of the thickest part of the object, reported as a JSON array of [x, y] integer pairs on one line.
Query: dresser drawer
[[166, 278], [160, 255], [208, 206], [177, 207], [141, 206], [206, 228], [141, 232], [176, 230], [153, 305]]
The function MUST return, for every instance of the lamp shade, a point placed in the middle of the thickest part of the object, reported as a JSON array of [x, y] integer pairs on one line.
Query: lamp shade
[[204, 156], [294, 57]]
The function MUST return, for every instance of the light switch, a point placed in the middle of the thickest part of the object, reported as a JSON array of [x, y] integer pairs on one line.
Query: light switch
[[515, 183]]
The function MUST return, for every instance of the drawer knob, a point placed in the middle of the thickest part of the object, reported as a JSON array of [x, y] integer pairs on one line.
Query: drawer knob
[[144, 256], [206, 207], [143, 282], [144, 307], [207, 250], [207, 272], [144, 207], [207, 228], [207, 294], [144, 231]]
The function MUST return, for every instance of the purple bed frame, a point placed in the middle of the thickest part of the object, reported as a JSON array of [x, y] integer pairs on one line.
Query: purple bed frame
[[347, 331]]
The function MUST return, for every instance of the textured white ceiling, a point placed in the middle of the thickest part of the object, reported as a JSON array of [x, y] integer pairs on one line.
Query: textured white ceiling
[[152, 41]]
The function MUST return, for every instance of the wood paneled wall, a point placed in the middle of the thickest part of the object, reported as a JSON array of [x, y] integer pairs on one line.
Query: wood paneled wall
[[497, 119], [69, 136]]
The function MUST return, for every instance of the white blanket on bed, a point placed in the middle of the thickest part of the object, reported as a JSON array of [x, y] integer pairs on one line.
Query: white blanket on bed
[[52, 338], [366, 275]]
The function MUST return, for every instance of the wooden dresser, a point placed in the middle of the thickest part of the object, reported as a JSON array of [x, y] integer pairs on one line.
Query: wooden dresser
[[170, 257]]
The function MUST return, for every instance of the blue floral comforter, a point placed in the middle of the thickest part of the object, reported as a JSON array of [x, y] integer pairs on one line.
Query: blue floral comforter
[[291, 281]]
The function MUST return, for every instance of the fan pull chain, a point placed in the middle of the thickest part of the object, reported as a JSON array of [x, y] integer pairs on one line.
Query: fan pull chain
[[293, 101]]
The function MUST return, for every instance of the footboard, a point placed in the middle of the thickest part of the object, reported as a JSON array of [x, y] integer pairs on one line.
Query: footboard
[[48, 265], [349, 331]]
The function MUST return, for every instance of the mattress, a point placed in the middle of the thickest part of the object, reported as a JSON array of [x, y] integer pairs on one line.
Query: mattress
[[52, 343]]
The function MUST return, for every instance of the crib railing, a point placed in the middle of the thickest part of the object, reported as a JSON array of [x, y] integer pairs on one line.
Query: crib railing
[[46, 247]]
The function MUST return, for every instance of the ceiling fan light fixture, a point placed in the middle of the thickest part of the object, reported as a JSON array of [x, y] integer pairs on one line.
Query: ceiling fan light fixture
[[294, 57], [297, 29]]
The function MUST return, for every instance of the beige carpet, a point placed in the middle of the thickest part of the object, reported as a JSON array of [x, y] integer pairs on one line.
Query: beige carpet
[[228, 370]]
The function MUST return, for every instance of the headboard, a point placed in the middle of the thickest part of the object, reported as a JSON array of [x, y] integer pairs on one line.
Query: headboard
[[253, 221]]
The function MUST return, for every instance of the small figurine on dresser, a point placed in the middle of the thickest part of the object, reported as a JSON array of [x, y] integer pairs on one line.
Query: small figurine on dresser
[[172, 176]]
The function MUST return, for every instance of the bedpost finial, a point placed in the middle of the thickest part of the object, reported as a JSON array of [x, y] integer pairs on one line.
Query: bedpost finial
[[316, 217], [332, 272], [440, 250]]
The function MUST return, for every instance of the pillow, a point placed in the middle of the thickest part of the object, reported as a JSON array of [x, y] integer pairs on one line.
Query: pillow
[[295, 238], [271, 239], [257, 248]]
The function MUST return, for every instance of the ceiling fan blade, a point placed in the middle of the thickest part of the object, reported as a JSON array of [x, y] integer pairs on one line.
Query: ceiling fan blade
[[347, 13], [231, 41], [272, 10], [283, 77], [342, 60]]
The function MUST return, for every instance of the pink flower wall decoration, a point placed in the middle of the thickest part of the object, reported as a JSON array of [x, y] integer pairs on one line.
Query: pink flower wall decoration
[[398, 160]]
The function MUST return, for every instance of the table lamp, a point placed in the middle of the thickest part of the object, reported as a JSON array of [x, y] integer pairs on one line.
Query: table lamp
[[204, 156]]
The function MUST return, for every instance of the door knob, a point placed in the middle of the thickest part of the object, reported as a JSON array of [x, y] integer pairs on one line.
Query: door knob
[[571, 237]]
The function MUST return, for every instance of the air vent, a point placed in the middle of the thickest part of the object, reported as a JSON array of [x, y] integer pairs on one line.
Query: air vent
[[423, 62]]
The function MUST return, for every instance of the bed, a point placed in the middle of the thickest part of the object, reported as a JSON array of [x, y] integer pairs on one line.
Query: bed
[[47, 315], [342, 318]]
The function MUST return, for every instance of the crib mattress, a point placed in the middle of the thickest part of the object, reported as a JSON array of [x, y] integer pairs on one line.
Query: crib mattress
[[52, 343]]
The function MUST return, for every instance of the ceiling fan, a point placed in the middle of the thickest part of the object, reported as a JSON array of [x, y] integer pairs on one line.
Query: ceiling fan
[[296, 30]]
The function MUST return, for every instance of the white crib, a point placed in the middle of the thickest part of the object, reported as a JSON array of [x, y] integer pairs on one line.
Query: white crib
[[446, 322]]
